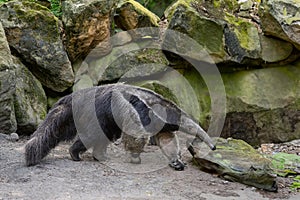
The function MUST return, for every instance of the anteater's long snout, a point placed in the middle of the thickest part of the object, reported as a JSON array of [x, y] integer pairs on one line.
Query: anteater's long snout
[[193, 128]]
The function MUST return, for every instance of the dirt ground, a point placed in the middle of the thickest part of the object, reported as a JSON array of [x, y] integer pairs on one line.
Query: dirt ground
[[58, 177]]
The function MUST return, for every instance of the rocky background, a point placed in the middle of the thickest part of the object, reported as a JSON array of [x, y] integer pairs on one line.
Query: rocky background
[[256, 46]]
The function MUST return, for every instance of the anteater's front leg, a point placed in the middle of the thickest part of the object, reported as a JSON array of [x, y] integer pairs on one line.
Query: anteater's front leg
[[168, 143]]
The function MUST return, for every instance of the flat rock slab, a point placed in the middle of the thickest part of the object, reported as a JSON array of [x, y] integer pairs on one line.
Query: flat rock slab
[[235, 160]]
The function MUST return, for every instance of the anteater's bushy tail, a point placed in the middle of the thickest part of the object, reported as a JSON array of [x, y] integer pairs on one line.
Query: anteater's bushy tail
[[58, 126]]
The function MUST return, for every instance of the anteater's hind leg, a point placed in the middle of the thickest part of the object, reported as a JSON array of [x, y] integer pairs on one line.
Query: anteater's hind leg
[[76, 149], [133, 147], [168, 142], [100, 150]]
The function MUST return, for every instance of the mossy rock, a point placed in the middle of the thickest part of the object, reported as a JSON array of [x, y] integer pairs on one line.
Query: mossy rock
[[263, 105], [230, 33], [234, 160], [247, 36], [159, 88], [280, 19], [207, 32], [87, 25], [34, 33], [274, 50], [131, 14], [30, 100], [8, 122], [140, 62]]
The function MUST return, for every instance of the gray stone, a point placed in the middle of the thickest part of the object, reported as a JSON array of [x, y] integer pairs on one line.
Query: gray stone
[[281, 19], [87, 26], [4, 136], [8, 122], [235, 160], [242, 40], [131, 15], [128, 61], [274, 50], [263, 105], [30, 100], [34, 33], [230, 32], [22, 99], [13, 137], [208, 32]]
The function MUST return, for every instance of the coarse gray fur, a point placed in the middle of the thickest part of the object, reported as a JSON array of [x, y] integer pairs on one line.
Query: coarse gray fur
[[102, 114]]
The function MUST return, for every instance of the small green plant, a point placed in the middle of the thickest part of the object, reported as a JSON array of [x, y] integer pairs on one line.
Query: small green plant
[[296, 184], [56, 8], [3, 1]]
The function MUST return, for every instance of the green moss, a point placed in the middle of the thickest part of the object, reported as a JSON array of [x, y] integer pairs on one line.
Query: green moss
[[56, 8], [159, 88], [217, 3], [284, 163], [212, 40], [142, 10], [290, 20], [197, 83], [245, 31], [3, 1], [152, 56], [186, 4], [263, 88], [30, 104], [196, 25], [296, 184], [38, 16], [157, 7]]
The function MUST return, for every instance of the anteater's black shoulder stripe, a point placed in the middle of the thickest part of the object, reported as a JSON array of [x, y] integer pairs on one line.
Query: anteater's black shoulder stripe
[[105, 115], [141, 108]]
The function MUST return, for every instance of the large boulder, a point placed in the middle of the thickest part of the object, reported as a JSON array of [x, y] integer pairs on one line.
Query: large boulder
[[131, 15], [23, 100], [128, 60], [281, 19], [30, 100], [8, 122], [176, 87], [235, 160], [87, 24], [230, 33], [242, 40], [263, 105], [274, 50], [33, 33], [208, 32]]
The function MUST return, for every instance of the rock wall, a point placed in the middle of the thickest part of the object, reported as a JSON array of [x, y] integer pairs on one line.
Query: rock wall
[[33, 33], [8, 122], [254, 44]]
